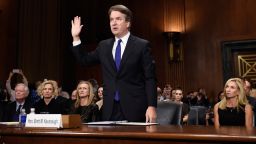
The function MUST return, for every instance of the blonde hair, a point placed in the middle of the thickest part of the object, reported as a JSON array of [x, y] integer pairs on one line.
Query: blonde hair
[[51, 82], [91, 94], [242, 100]]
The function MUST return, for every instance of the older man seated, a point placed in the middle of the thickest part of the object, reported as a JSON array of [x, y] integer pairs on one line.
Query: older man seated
[[13, 109]]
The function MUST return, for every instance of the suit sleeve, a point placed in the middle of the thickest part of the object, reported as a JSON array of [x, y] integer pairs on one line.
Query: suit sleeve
[[84, 57], [150, 76]]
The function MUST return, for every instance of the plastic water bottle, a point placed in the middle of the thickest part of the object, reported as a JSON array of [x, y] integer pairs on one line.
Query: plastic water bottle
[[32, 111], [22, 117]]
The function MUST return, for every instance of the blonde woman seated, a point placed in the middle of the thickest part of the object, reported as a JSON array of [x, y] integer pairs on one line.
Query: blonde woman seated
[[233, 109], [48, 104], [83, 104]]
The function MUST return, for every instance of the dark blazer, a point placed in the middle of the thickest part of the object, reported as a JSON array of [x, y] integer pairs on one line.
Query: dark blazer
[[54, 107], [88, 113], [135, 80], [10, 113]]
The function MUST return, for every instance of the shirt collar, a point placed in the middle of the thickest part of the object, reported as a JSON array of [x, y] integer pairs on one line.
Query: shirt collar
[[20, 103], [124, 38]]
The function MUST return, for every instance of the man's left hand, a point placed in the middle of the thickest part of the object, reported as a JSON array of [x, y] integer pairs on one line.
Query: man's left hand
[[151, 114]]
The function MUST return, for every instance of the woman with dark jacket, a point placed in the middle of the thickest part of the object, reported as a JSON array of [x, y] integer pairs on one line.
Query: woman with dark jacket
[[84, 103]]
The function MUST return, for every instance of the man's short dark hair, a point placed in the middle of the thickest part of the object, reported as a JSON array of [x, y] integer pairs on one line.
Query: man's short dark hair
[[123, 9]]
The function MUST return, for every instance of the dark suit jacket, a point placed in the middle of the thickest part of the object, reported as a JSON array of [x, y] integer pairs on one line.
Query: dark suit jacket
[[10, 111], [135, 80]]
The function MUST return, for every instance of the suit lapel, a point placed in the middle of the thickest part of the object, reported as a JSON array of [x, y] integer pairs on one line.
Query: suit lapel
[[128, 51], [110, 55]]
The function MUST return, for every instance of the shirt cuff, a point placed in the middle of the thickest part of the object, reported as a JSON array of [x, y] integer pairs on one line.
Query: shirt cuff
[[75, 43]]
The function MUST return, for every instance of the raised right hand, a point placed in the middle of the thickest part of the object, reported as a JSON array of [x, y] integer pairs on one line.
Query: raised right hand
[[76, 28]]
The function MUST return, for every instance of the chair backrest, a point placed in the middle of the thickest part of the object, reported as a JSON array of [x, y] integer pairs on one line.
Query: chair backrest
[[197, 115], [169, 112]]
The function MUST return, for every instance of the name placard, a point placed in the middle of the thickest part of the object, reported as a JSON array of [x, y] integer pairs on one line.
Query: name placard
[[44, 121]]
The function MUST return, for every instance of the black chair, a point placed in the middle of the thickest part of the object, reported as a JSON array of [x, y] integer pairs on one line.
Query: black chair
[[197, 115], [169, 112]]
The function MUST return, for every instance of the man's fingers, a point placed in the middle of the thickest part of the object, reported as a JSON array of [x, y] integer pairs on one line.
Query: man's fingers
[[147, 118]]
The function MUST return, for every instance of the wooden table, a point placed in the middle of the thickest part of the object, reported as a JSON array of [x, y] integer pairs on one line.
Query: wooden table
[[127, 135]]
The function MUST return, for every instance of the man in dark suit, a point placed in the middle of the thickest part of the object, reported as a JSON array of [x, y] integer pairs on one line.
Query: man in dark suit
[[13, 109], [128, 69]]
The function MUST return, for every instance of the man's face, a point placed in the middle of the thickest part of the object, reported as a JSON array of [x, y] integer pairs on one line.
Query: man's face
[[20, 92], [247, 87], [119, 26]]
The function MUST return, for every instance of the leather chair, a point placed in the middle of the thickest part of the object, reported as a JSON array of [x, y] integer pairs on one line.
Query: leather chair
[[169, 113], [197, 115]]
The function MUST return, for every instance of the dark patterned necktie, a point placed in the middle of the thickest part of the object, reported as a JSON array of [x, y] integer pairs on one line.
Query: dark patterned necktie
[[18, 110]]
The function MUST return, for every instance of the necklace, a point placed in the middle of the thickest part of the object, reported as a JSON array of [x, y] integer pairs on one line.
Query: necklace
[[231, 109]]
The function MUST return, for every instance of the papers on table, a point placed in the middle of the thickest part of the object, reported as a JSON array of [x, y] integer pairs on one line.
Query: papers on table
[[9, 123], [119, 123], [138, 123]]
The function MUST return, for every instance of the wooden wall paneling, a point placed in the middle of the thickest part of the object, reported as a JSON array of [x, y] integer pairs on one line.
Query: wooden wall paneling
[[206, 28], [39, 39], [8, 37], [174, 20], [41, 30]]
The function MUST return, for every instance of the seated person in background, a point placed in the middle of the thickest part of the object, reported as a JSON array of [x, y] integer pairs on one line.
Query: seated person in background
[[63, 93], [250, 98], [3, 93], [166, 94], [10, 91], [203, 91], [13, 109], [173, 92], [188, 98], [3, 101], [210, 113], [200, 100], [48, 104], [83, 104], [73, 95], [33, 96], [253, 92], [220, 96], [100, 96], [234, 108], [185, 107], [160, 96], [193, 98], [63, 99], [95, 85]]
